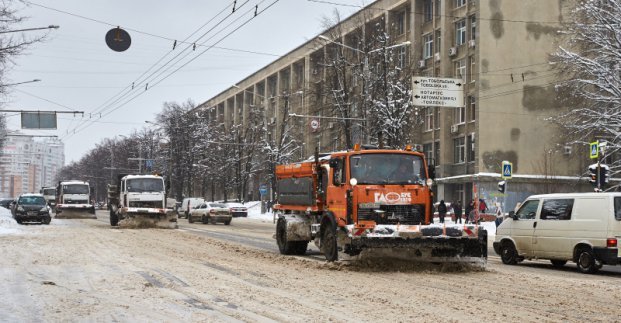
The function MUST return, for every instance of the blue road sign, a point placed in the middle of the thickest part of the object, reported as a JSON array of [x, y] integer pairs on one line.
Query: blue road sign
[[507, 170], [263, 189]]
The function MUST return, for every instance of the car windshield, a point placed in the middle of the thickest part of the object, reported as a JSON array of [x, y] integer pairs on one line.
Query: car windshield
[[75, 189], [31, 200], [49, 191], [217, 205], [145, 185], [387, 169]]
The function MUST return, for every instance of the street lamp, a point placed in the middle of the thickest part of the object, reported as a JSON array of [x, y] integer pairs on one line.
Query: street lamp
[[29, 29]]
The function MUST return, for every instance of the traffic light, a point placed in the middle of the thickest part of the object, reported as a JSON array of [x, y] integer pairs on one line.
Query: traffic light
[[603, 175], [502, 185], [593, 174]]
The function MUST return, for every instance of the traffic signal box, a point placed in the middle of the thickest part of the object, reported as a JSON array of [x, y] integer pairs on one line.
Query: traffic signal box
[[602, 177]]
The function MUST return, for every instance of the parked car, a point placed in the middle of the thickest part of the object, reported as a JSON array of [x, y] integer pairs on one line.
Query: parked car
[[32, 208], [579, 227], [188, 204], [6, 203], [238, 209], [211, 213]]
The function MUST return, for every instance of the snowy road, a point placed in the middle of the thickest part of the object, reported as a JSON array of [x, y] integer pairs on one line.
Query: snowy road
[[84, 270]]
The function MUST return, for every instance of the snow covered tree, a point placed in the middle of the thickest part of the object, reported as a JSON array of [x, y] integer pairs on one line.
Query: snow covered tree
[[590, 62]]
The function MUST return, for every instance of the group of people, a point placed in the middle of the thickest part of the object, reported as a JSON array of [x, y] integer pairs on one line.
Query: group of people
[[470, 211]]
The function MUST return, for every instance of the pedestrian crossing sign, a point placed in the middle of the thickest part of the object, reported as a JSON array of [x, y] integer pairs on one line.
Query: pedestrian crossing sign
[[594, 150], [507, 170]]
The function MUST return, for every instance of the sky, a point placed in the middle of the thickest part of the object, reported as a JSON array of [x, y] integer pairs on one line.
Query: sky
[[78, 72]]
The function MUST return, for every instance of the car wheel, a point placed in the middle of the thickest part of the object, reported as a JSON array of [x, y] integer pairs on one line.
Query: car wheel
[[204, 219], [190, 220], [508, 254], [328, 243], [586, 261], [47, 220], [558, 263]]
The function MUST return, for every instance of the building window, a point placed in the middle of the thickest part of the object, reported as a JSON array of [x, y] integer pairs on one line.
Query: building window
[[428, 151], [400, 21], [460, 3], [472, 69], [460, 115], [459, 150], [470, 147], [428, 10], [403, 56], [438, 40], [460, 69], [460, 32], [427, 45], [473, 27], [438, 7], [436, 154], [428, 119], [473, 108]]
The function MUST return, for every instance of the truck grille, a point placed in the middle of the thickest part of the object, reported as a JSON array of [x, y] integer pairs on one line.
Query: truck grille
[[393, 214]]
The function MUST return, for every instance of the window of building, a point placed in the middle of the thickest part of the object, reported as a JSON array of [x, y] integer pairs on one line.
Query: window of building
[[400, 22], [428, 10], [460, 3], [403, 56], [438, 7], [436, 154], [428, 119], [427, 45], [473, 108], [460, 69], [459, 116], [472, 69], [473, 27], [470, 147], [460, 32], [438, 40], [428, 151], [459, 150], [557, 209]]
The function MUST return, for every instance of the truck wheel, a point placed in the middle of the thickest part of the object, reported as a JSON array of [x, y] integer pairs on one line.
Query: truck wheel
[[285, 247], [328, 242], [114, 219], [190, 220], [508, 254], [586, 261]]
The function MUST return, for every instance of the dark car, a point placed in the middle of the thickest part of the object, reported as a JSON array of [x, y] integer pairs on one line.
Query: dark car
[[6, 203], [32, 208]]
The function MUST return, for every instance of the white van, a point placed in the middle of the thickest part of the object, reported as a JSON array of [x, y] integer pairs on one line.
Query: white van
[[188, 204], [579, 227]]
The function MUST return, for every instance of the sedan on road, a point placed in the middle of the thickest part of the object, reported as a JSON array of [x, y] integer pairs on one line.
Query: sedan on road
[[32, 208], [238, 209], [211, 213]]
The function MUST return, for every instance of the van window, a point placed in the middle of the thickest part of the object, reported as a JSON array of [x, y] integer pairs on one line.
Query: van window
[[618, 208], [557, 209], [528, 210]]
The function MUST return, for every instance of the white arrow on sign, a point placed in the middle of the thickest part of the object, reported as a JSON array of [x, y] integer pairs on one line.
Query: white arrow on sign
[[438, 92]]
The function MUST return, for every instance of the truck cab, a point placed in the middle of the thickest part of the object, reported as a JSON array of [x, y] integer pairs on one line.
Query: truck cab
[[73, 200]]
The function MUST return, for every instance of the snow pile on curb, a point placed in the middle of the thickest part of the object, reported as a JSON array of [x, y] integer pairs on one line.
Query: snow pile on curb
[[7, 223]]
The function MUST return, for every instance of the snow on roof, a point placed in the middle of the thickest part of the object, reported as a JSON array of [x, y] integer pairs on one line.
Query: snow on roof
[[141, 176]]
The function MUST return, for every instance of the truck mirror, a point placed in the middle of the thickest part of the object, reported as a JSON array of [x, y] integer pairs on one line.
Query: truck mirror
[[432, 171], [335, 163], [513, 215]]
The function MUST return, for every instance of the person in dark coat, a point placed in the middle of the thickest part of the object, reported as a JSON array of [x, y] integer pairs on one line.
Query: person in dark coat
[[442, 211], [457, 211], [469, 209]]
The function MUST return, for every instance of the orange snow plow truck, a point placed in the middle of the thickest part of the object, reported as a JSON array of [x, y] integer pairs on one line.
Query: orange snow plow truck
[[374, 202]]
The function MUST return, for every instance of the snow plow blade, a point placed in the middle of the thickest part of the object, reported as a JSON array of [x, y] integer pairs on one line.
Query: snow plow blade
[[75, 212], [430, 243], [161, 219]]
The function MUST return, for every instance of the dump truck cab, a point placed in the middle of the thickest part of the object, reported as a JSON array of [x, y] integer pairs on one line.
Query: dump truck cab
[[73, 200]]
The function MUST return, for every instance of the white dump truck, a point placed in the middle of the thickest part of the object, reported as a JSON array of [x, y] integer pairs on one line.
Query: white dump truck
[[140, 200], [73, 200]]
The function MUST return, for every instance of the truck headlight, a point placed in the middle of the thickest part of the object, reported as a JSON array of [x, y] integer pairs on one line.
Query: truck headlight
[[20, 208]]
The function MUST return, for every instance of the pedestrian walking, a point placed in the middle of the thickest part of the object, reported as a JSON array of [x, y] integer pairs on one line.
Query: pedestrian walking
[[442, 211], [268, 206], [457, 211], [499, 217], [469, 209]]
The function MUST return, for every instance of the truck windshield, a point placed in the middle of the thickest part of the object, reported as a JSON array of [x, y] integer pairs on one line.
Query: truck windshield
[[145, 185], [49, 191], [387, 169], [75, 189]]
